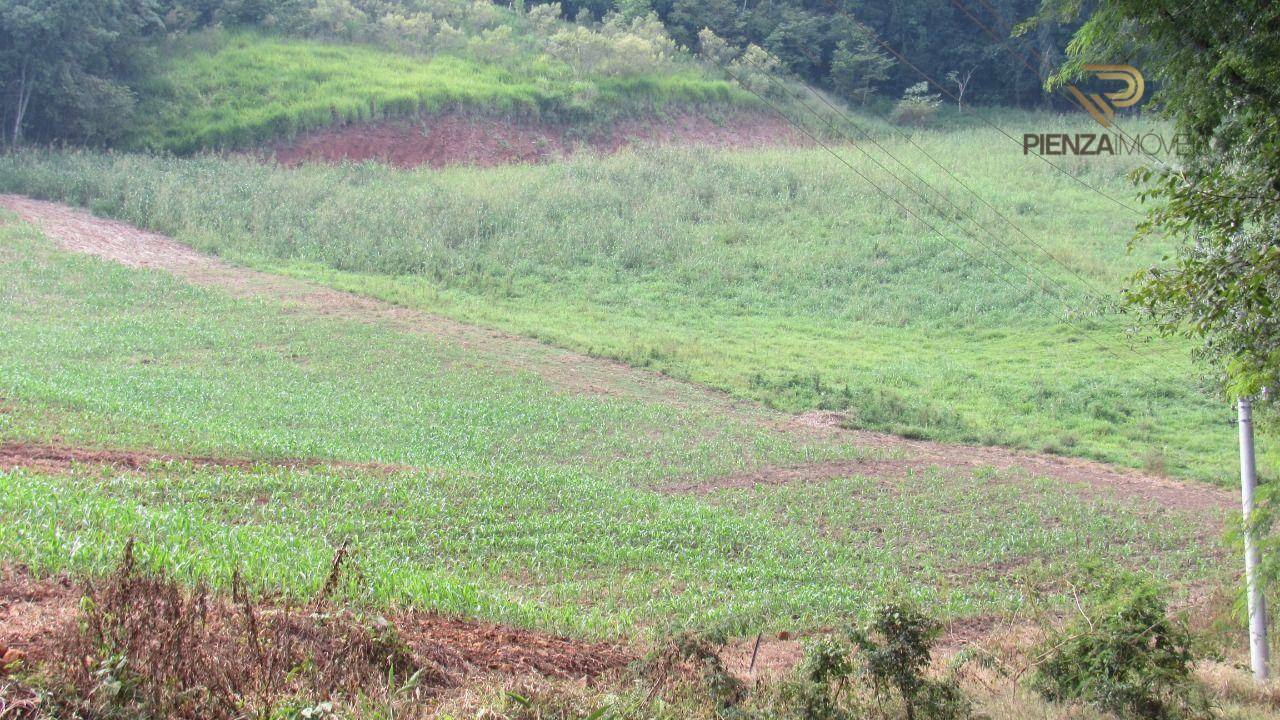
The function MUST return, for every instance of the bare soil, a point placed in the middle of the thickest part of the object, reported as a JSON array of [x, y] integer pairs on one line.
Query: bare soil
[[51, 458], [460, 139], [79, 231], [770, 659], [37, 614]]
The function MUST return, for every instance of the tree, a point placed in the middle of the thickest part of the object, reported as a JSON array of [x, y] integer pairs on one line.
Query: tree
[[631, 9], [798, 40], [917, 105], [961, 81], [66, 65], [858, 66], [687, 17], [1217, 65]]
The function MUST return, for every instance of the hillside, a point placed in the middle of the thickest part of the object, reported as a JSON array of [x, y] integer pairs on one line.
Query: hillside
[[627, 359], [777, 276], [238, 90]]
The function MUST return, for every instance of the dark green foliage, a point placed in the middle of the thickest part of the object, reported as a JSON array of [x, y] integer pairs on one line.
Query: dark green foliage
[[896, 650], [687, 17], [820, 39], [799, 39], [1218, 69], [859, 66], [1124, 655], [70, 67]]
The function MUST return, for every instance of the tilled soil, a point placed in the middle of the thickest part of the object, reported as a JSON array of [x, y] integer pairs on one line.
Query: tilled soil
[[79, 231]]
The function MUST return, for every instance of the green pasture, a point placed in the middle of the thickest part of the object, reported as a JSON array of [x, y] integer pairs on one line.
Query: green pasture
[[777, 276], [524, 501]]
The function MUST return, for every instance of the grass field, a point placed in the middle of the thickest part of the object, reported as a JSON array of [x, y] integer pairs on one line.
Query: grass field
[[777, 276], [526, 502], [228, 90]]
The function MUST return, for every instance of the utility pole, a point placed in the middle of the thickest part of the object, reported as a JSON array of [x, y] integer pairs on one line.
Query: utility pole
[[1257, 603]]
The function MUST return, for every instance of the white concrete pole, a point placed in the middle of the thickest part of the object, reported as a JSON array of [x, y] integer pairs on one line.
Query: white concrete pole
[[1257, 603]]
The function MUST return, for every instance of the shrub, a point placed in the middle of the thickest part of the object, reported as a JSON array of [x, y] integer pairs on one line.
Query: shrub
[[406, 31], [543, 18], [896, 650], [337, 19], [715, 49], [494, 44], [1126, 656], [689, 656], [917, 105], [622, 46], [754, 70]]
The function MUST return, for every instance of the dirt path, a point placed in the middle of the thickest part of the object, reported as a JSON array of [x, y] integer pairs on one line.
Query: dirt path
[[51, 458], [909, 455], [79, 231], [76, 230]]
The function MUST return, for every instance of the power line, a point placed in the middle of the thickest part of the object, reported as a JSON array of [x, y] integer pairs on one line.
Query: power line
[[959, 4], [1090, 293], [899, 203], [942, 88], [1131, 137]]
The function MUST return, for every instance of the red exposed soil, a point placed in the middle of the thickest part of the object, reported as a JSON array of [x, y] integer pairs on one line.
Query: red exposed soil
[[812, 472], [79, 231], [486, 647], [62, 458], [770, 659], [34, 613], [1102, 479], [921, 455], [456, 139]]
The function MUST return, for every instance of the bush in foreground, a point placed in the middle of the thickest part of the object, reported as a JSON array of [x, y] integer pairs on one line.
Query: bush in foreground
[[1126, 656]]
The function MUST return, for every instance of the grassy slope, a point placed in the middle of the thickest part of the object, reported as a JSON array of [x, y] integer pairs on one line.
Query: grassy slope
[[531, 503], [235, 90], [777, 276]]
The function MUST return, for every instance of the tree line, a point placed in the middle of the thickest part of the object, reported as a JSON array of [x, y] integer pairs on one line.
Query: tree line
[[75, 69]]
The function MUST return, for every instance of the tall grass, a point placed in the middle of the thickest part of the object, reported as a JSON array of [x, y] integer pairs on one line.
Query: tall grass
[[238, 90], [778, 276]]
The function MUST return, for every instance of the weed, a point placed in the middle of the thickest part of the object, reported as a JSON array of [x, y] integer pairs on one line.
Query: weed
[[146, 645], [690, 656], [1124, 655], [897, 649], [1153, 461]]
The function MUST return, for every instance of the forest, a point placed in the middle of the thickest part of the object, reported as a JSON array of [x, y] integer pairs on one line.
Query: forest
[[80, 70]]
